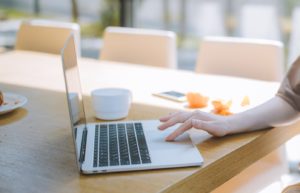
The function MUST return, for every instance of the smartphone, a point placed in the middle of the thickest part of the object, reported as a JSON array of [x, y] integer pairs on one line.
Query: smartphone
[[172, 95]]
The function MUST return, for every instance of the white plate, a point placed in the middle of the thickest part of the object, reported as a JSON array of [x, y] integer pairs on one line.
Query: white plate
[[12, 102]]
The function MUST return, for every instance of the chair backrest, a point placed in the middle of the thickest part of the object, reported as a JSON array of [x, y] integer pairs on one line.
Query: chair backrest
[[294, 42], [46, 36], [248, 58], [140, 46], [259, 21]]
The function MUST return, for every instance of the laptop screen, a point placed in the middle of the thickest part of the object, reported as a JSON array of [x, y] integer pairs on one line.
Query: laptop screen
[[74, 96]]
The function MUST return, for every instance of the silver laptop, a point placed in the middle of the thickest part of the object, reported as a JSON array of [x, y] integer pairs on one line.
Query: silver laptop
[[119, 146]]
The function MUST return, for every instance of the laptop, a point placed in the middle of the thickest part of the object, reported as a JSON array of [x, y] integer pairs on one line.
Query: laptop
[[119, 146]]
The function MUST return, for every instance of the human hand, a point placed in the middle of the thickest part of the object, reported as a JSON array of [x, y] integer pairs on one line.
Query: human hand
[[215, 125]]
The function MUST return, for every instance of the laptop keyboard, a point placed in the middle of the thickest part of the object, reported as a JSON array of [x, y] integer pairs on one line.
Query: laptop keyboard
[[120, 144]]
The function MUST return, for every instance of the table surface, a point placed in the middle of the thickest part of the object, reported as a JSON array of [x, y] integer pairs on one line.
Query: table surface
[[36, 149]]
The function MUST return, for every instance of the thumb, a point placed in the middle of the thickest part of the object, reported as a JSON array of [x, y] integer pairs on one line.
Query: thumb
[[212, 127]]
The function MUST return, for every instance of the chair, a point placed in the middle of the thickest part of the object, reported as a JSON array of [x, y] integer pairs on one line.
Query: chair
[[249, 58], [259, 21], [140, 46], [46, 36], [294, 42]]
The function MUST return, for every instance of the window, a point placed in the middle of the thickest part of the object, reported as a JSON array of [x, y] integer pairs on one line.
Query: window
[[190, 19]]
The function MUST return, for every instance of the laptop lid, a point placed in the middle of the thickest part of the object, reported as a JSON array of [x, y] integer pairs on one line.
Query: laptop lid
[[74, 98]]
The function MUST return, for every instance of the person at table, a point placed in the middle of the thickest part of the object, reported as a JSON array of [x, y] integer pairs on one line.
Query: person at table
[[282, 109]]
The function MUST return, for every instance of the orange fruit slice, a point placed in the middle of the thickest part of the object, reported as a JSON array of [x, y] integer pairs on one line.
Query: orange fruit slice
[[222, 107], [245, 101], [196, 100]]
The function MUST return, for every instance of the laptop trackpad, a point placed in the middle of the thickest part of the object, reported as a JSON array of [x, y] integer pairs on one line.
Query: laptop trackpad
[[156, 139], [180, 152]]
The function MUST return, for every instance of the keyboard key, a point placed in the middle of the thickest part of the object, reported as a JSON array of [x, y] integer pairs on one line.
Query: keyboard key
[[83, 146], [103, 146], [113, 146], [96, 148], [123, 147], [133, 148], [144, 152]]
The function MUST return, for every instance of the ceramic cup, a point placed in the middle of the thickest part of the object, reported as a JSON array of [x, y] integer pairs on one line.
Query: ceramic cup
[[111, 103]]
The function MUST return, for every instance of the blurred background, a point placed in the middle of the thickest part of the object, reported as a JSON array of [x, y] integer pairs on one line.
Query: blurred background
[[190, 19]]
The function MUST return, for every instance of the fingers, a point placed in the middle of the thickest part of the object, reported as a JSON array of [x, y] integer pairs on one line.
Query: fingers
[[174, 118], [167, 117], [215, 128], [198, 124], [215, 125], [184, 127], [172, 121]]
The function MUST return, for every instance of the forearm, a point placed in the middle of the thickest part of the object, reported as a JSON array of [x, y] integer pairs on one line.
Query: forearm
[[274, 112]]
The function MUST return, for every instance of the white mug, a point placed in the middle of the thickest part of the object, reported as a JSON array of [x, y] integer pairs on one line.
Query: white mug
[[111, 103]]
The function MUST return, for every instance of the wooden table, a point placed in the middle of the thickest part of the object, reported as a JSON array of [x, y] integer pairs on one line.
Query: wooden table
[[36, 151]]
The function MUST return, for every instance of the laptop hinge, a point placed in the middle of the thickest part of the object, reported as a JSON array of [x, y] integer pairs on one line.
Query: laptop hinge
[[83, 146]]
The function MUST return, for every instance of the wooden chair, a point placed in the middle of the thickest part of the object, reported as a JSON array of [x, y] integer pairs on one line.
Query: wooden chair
[[46, 36], [140, 46], [248, 58]]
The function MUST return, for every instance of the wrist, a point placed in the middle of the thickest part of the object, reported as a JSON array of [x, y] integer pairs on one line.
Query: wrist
[[235, 124]]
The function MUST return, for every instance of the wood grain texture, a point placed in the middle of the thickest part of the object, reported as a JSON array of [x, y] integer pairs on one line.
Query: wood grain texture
[[36, 147]]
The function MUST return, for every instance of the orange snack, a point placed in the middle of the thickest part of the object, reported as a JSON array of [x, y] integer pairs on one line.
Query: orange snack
[[245, 101], [196, 100], [221, 108]]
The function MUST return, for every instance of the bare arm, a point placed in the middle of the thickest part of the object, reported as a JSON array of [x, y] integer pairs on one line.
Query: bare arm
[[274, 112], [282, 109]]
